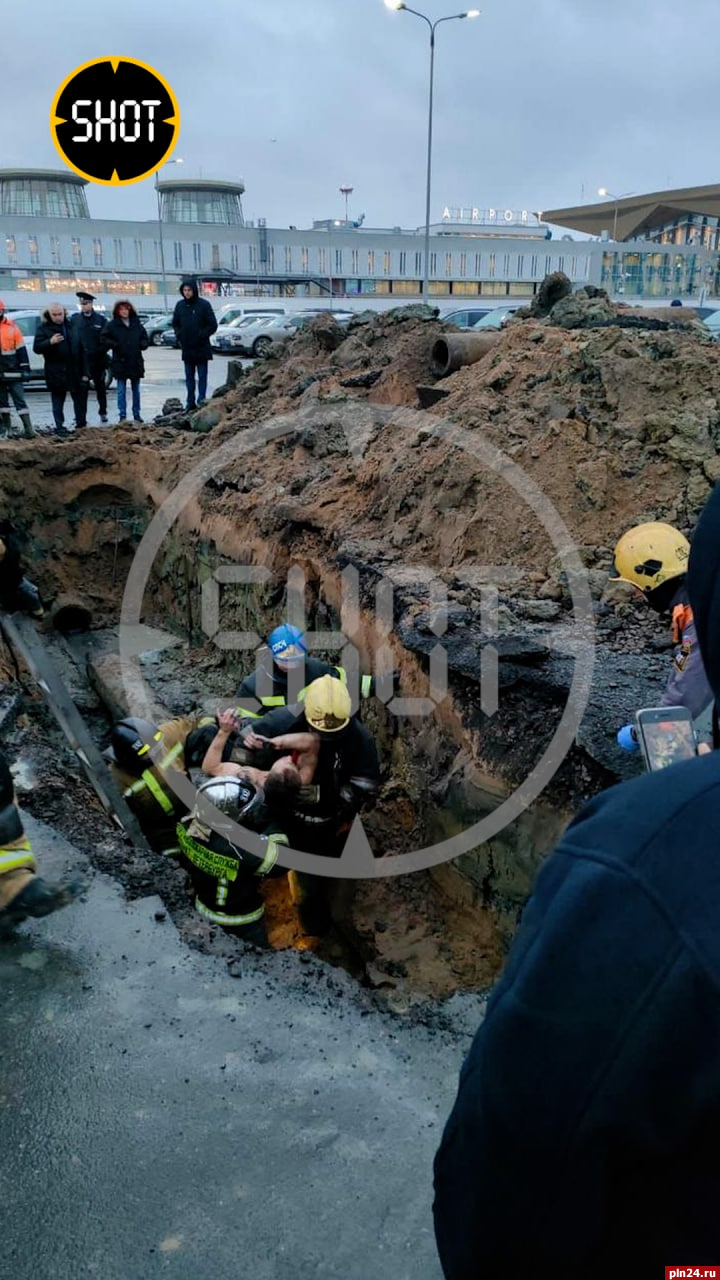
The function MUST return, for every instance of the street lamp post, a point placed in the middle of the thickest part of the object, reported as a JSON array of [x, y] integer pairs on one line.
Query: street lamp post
[[603, 191], [160, 231], [469, 13]]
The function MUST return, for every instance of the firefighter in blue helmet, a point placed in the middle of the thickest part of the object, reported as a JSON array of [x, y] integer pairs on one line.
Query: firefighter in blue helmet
[[289, 655]]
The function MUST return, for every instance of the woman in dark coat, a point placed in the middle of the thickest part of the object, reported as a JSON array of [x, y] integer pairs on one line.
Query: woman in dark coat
[[62, 374], [125, 336]]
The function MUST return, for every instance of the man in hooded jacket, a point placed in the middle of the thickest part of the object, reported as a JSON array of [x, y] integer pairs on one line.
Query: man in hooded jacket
[[584, 1138], [194, 322]]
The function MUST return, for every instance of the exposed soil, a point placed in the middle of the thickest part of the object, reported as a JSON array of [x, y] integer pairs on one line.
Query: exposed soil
[[613, 425]]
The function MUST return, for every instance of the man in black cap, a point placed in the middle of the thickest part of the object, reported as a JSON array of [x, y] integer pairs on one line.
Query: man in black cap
[[90, 354]]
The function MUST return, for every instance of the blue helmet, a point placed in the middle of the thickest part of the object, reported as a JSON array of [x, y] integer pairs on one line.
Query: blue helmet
[[286, 645]]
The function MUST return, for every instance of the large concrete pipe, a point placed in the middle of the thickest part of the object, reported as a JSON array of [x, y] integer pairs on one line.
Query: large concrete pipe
[[70, 615], [456, 349]]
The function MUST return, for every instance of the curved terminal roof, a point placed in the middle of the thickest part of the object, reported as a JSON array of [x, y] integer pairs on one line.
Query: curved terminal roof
[[637, 213], [42, 175], [201, 184]]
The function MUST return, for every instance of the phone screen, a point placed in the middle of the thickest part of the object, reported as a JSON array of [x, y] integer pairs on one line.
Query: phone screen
[[665, 741]]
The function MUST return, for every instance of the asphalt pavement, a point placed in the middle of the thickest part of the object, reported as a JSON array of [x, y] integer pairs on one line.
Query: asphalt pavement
[[164, 377], [161, 1117]]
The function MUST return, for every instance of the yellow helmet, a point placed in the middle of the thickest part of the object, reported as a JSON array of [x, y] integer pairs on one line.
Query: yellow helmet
[[327, 705], [650, 554]]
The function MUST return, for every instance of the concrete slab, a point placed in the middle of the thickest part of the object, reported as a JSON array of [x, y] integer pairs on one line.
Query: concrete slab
[[163, 1118]]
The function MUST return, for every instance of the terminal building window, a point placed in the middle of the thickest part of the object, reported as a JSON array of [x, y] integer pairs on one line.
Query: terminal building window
[[253, 256], [355, 261], [76, 252], [491, 265], [463, 264], [520, 266], [478, 264], [97, 252], [448, 264], [34, 251], [234, 258], [403, 263], [55, 251], [371, 262], [288, 259], [215, 257], [305, 260], [11, 250], [197, 255], [138, 253], [433, 264], [42, 198], [322, 261], [386, 262], [338, 260], [418, 264], [118, 252], [177, 255]]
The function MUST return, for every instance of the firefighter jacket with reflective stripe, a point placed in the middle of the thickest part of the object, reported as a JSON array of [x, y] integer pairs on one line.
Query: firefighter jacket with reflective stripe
[[150, 796], [277, 682], [225, 878]]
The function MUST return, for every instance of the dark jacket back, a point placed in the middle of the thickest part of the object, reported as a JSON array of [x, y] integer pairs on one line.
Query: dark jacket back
[[194, 321], [127, 343], [586, 1129]]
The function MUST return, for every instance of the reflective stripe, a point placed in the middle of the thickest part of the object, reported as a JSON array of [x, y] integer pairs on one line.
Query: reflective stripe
[[342, 674], [17, 859], [242, 713], [268, 862], [149, 781], [157, 737], [219, 917], [222, 892], [365, 686], [213, 864], [275, 700]]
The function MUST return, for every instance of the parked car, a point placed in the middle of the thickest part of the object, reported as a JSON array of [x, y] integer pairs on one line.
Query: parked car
[[466, 318], [712, 322], [229, 337], [166, 337], [156, 327], [496, 318], [259, 342], [27, 322], [230, 314]]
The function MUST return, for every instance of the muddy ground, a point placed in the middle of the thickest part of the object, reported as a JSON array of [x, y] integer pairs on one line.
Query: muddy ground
[[322, 460]]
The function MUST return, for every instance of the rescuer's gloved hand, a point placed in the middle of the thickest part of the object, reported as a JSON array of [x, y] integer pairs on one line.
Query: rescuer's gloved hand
[[627, 738]]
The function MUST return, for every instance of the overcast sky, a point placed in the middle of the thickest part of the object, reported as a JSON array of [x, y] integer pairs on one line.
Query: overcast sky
[[538, 102]]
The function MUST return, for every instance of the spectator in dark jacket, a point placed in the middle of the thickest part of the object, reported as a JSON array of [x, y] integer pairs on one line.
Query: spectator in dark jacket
[[126, 337], [194, 322], [52, 342], [584, 1139]]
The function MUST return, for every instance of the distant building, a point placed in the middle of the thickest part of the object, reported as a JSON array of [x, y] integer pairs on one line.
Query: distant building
[[49, 244]]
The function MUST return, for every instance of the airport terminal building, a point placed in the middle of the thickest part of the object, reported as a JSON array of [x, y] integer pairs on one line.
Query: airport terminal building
[[656, 246]]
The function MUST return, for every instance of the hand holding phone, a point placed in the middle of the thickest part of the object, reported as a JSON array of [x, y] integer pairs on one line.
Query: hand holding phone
[[666, 736]]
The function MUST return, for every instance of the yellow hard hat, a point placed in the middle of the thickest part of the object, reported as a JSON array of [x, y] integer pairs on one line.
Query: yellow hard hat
[[650, 554], [327, 705]]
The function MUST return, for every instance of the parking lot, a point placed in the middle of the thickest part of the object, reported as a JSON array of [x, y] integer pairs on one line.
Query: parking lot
[[164, 377]]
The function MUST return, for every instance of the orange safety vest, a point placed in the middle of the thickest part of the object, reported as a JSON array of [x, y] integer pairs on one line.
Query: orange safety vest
[[682, 616], [11, 338]]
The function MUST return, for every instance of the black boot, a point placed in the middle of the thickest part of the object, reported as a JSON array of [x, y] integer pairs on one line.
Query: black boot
[[38, 899]]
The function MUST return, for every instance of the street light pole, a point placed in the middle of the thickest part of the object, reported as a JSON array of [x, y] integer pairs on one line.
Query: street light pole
[[469, 13], [603, 191], [160, 231]]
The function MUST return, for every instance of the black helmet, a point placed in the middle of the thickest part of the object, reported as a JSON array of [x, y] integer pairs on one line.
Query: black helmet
[[219, 803], [132, 741]]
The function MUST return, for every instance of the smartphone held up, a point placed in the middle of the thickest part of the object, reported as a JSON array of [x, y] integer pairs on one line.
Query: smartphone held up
[[666, 736]]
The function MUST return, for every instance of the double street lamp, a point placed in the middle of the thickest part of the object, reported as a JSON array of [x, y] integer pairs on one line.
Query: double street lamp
[[160, 230], [469, 13]]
